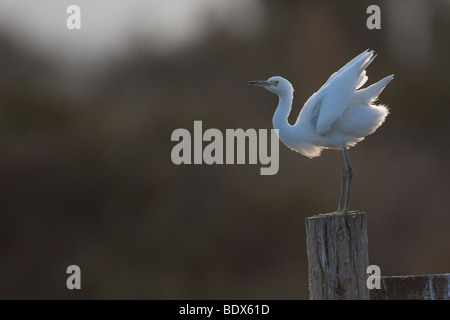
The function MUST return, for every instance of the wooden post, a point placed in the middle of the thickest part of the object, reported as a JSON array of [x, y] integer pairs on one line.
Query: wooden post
[[338, 256], [420, 287]]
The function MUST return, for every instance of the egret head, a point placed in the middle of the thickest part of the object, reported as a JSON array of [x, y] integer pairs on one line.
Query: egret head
[[278, 85]]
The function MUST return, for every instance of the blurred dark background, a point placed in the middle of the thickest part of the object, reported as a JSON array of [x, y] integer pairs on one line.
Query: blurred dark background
[[85, 123]]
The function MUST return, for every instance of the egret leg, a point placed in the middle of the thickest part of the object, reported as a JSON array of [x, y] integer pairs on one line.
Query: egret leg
[[349, 178], [343, 183]]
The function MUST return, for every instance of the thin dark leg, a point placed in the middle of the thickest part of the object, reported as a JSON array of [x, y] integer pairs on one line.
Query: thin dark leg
[[343, 183], [349, 178]]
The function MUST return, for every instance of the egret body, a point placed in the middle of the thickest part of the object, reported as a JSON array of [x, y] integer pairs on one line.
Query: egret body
[[338, 116]]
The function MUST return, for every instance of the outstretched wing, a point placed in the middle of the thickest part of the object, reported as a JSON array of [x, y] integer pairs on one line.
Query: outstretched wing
[[346, 66], [338, 91]]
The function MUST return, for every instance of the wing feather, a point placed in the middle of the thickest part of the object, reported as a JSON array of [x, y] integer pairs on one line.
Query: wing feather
[[346, 66]]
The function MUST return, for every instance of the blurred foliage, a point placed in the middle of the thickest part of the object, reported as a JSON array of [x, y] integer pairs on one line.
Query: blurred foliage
[[88, 180]]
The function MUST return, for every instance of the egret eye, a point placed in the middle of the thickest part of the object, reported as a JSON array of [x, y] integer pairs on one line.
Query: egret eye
[[275, 82]]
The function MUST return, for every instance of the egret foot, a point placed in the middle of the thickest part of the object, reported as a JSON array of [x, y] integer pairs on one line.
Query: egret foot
[[336, 213]]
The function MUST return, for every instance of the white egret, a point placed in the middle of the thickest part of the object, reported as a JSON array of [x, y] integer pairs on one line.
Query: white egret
[[338, 116]]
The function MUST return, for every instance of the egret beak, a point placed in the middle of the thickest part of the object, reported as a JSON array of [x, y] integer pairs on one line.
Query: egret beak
[[259, 83]]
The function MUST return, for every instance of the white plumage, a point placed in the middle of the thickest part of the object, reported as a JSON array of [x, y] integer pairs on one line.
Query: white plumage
[[337, 116]]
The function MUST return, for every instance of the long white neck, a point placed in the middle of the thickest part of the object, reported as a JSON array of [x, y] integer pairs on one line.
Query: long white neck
[[295, 136], [280, 118]]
